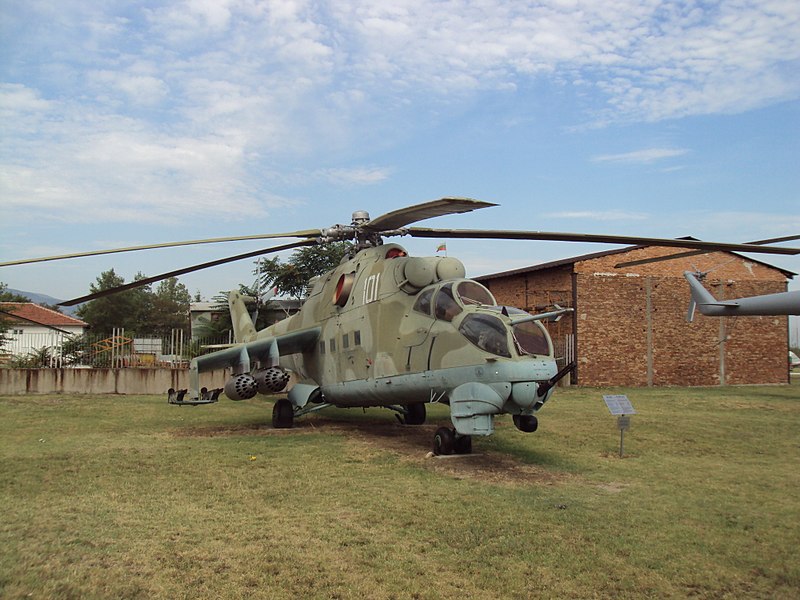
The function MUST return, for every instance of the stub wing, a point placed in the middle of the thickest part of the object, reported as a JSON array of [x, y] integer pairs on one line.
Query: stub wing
[[242, 357]]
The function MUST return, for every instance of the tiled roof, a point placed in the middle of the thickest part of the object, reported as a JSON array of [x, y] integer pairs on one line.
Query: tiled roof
[[40, 315]]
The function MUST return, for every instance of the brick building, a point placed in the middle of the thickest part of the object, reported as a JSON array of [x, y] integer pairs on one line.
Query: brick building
[[629, 327]]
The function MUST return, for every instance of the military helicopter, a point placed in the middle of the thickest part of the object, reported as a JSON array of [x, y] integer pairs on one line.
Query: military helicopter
[[385, 329], [782, 303]]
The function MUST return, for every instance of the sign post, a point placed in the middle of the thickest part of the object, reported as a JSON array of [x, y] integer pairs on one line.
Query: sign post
[[620, 406]]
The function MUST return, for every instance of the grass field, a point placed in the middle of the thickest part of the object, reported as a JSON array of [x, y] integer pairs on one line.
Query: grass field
[[128, 497]]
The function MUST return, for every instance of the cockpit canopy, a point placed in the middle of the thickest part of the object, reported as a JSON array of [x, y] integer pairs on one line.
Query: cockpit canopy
[[452, 297], [482, 328]]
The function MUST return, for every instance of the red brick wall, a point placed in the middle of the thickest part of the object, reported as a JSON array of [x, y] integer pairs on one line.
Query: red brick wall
[[631, 322]]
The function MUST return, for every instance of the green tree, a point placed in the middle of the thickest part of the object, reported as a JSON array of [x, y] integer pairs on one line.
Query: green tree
[[221, 325], [128, 309], [293, 276], [169, 307], [5, 323]]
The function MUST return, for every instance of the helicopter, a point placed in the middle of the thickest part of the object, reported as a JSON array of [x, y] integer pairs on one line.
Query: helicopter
[[385, 329], [781, 303]]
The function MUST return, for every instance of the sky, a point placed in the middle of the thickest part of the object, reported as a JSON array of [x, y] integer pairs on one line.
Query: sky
[[127, 123]]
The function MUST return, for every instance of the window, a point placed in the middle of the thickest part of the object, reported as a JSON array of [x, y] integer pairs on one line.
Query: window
[[357, 338], [472, 292], [345, 341], [423, 303], [446, 306], [322, 347], [332, 344], [531, 338], [487, 333]]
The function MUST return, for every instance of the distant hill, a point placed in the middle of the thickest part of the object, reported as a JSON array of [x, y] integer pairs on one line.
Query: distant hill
[[45, 299]]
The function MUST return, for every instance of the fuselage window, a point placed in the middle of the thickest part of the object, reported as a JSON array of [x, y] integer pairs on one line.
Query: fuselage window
[[357, 338], [487, 333], [446, 307], [322, 347], [332, 344], [345, 341], [423, 303]]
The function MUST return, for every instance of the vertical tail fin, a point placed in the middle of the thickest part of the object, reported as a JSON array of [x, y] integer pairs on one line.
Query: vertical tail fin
[[243, 327], [700, 295]]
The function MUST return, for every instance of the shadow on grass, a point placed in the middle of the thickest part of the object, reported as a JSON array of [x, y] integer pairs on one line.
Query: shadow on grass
[[374, 432]]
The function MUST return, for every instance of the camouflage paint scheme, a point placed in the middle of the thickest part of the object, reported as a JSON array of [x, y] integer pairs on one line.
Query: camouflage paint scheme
[[363, 338]]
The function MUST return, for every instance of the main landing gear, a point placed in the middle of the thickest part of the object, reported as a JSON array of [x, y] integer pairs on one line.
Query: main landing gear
[[446, 441], [414, 414], [282, 414]]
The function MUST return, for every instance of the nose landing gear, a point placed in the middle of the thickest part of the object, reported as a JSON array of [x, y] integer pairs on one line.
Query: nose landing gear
[[526, 423], [446, 441]]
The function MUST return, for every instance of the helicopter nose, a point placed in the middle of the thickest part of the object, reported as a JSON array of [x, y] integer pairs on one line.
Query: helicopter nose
[[525, 394], [473, 406]]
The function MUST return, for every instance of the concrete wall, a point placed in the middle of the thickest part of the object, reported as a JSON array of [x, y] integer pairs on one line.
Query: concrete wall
[[102, 381]]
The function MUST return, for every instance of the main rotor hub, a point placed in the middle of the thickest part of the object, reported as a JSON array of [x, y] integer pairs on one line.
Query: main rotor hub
[[360, 217]]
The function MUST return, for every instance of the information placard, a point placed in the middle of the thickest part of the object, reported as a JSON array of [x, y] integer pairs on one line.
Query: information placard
[[619, 405]]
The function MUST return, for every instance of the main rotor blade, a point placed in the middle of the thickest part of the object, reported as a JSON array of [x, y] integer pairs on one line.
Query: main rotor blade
[[214, 263], [644, 261], [494, 234], [427, 210], [308, 233]]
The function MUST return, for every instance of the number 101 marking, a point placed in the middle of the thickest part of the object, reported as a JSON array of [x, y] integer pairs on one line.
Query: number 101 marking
[[371, 286]]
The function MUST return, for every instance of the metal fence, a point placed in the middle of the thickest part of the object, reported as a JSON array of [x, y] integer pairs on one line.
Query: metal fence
[[119, 350]]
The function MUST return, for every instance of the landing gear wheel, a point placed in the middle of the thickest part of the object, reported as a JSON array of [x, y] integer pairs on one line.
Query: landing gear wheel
[[526, 423], [444, 441], [463, 444], [415, 414], [282, 414]]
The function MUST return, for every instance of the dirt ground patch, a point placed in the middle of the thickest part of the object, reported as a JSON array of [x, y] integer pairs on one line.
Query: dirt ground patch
[[412, 443]]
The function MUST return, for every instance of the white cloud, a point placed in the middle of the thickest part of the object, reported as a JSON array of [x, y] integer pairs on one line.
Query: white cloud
[[186, 100], [358, 175], [17, 99], [648, 155], [135, 88]]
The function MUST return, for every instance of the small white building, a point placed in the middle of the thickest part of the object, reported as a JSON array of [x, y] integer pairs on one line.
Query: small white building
[[33, 327]]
